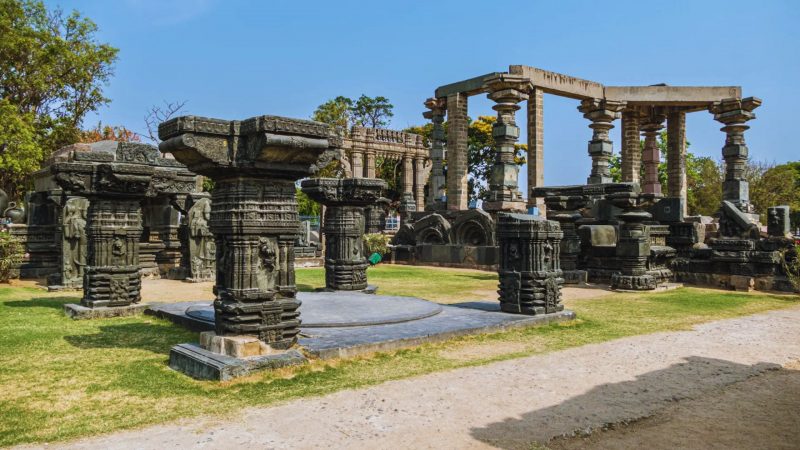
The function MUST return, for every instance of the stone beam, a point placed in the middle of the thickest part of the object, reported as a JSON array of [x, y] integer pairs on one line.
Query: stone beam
[[469, 87], [559, 84], [671, 95]]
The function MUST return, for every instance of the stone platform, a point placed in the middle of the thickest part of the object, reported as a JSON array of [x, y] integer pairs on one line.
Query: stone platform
[[347, 324]]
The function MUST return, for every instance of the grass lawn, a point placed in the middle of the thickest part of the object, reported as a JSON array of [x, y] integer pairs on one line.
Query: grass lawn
[[63, 379]]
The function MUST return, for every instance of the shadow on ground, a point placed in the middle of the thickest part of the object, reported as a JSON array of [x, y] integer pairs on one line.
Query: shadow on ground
[[43, 302], [619, 402], [141, 336]]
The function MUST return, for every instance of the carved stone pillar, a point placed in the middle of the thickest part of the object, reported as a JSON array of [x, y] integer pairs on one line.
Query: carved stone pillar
[[458, 127], [529, 271], [651, 155], [114, 226], [676, 157], [734, 113], [507, 91], [535, 146], [358, 164], [631, 153], [407, 176], [254, 164], [369, 165], [437, 183], [602, 113], [419, 182], [345, 198], [633, 245]]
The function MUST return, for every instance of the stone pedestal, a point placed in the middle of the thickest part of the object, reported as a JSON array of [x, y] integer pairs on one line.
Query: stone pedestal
[[345, 259], [570, 246], [530, 275], [112, 275], [633, 245], [254, 164]]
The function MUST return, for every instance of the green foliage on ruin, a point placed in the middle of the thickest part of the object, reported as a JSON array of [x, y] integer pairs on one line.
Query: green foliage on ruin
[[52, 73], [377, 243], [10, 255]]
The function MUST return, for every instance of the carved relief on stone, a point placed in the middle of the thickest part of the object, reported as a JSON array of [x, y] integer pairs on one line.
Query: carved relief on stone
[[202, 249], [73, 247]]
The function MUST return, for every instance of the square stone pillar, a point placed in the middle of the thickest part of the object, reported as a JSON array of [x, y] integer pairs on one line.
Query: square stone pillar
[[651, 155], [407, 176], [602, 113], [458, 127], [369, 165], [676, 156], [436, 189], [631, 148], [734, 113], [357, 161], [419, 182], [535, 146]]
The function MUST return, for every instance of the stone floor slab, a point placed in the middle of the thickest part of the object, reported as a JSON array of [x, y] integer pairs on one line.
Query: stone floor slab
[[80, 312]]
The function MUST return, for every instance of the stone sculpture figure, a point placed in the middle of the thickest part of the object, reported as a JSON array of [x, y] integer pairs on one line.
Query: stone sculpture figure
[[202, 251], [529, 270], [778, 224], [254, 164], [345, 261], [73, 250]]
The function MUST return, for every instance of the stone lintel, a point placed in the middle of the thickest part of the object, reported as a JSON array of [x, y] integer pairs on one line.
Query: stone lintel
[[559, 84], [672, 95], [468, 87]]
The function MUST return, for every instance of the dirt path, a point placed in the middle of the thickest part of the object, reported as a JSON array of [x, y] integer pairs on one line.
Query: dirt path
[[513, 404]]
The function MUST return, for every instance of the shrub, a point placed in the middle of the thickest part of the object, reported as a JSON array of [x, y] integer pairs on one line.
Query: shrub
[[376, 243], [10, 255], [791, 265]]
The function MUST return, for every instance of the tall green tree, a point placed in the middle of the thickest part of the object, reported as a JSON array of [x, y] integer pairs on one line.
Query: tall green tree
[[372, 112], [335, 112], [52, 73]]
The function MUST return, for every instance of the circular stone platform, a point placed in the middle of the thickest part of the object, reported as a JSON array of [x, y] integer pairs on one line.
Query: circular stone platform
[[346, 309]]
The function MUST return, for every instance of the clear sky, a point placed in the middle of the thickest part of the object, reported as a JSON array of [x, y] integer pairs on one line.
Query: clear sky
[[235, 59]]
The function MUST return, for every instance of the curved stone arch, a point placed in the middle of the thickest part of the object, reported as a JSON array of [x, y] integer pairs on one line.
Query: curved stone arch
[[432, 229], [474, 227]]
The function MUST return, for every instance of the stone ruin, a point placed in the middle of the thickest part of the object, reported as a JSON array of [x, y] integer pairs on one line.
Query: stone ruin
[[345, 199], [629, 234]]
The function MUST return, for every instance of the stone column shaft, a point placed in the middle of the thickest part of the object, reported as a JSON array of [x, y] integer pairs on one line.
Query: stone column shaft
[[734, 113], [436, 189], [114, 226], [602, 113], [651, 155], [255, 284], [504, 194], [407, 177], [458, 126], [357, 158], [631, 148], [369, 166], [535, 146], [419, 183], [676, 156]]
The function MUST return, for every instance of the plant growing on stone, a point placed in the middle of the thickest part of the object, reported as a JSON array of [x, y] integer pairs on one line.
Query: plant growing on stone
[[376, 243], [10, 255], [791, 266]]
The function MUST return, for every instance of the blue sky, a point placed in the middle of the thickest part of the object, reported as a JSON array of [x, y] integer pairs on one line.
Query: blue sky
[[235, 59]]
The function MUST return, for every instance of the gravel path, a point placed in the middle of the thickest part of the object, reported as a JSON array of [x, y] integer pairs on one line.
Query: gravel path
[[509, 404]]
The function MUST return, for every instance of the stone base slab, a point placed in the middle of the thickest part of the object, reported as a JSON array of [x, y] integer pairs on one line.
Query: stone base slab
[[80, 312], [579, 277], [61, 288], [370, 289], [242, 346], [201, 364]]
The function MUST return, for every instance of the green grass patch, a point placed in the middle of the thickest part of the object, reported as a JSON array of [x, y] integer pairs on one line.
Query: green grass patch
[[62, 379]]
